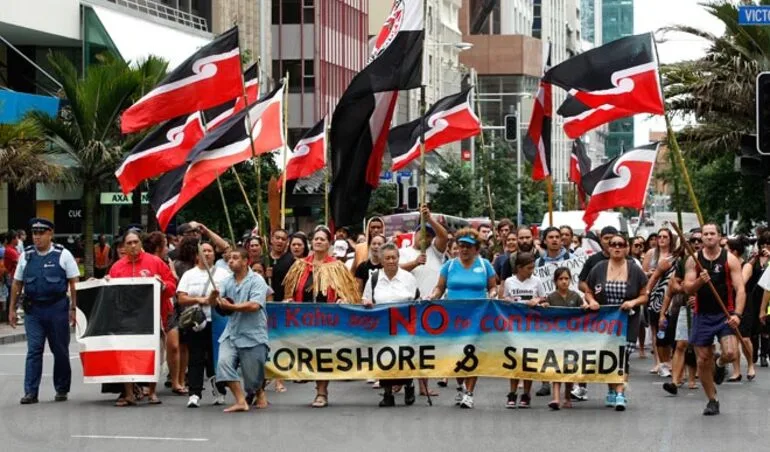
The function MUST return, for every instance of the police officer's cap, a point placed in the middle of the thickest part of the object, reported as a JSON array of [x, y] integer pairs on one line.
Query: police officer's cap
[[41, 224]]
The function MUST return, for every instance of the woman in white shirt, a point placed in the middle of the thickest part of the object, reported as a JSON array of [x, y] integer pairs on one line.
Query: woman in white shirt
[[194, 289], [524, 288], [391, 284]]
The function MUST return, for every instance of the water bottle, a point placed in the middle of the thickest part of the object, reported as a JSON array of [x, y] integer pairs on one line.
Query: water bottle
[[662, 331]]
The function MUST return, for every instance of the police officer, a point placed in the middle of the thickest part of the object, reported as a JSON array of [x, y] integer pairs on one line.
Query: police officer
[[45, 271]]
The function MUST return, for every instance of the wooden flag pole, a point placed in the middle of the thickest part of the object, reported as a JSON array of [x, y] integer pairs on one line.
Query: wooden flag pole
[[423, 183], [227, 211], [674, 148], [487, 184], [255, 159], [549, 189], [327, 171], [245, 196], [285, 149]]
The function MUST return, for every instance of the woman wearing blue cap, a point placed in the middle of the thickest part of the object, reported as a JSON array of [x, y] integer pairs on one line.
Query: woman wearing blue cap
[[466, 277]]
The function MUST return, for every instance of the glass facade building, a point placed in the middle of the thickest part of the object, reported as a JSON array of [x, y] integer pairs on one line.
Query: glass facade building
[[618, 22]]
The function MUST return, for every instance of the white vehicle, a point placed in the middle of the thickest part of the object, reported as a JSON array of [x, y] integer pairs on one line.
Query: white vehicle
[[664, 219], [574, 219]]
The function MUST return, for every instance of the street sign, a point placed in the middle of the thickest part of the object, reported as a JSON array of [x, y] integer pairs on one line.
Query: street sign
[[405, 174], [386, 176], [117, 198], [754, 15]]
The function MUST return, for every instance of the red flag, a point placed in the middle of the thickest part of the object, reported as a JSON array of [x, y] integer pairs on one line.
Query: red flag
[[537, 143], [210, 77], [162, 150], [622, 182], [580, 164], [217, 115], [309, 155], [449, 120], [227, 145]]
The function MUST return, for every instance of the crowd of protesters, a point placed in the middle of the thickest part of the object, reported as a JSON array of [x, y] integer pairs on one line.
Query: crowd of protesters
[[214, 288]]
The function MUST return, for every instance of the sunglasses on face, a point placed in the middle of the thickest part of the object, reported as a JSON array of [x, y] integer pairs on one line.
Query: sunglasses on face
[[617, 245], [696, 241], [637, 245]]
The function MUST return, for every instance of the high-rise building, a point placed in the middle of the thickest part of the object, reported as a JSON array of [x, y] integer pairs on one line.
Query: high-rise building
[[618, 22], [591, 28], [322, 44], [81, 30]]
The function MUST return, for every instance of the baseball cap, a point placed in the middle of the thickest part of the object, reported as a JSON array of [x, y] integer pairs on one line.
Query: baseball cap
[[467, 239]]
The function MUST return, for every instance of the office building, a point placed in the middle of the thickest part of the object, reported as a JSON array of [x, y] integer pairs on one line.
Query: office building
[[618, 22]]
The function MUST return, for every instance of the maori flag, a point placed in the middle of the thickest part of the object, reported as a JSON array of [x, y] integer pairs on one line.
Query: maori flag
[[361, 120], [616, 80], [210, 77], [162, 150], [579, 165], [537, 143], [449, 120], [621, 182], [225, 146], [214, 117], [309, 155], [118, 330]]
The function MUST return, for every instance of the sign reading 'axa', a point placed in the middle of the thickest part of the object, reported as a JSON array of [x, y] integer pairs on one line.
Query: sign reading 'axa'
[[119, 198]]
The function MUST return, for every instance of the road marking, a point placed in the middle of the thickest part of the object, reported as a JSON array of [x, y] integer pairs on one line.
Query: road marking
[[141, 438]]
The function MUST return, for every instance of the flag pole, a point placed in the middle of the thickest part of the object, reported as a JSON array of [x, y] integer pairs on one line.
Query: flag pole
[[549, 189], [227, 211], [483, 151], [243, 192], [422, 183], [285, 150], [328, 168], [673, 144], [256, 160]]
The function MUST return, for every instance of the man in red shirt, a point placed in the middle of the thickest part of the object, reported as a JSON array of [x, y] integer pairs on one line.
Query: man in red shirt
[[11, 258]]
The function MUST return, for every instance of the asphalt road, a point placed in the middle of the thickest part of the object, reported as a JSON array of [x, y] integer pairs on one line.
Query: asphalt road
[[653, 421]]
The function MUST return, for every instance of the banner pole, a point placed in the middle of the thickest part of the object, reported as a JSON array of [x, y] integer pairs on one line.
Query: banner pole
[[423, 184], [285, 150]]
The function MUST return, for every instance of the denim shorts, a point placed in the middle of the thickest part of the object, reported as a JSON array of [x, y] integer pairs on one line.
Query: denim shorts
[[250, 361]]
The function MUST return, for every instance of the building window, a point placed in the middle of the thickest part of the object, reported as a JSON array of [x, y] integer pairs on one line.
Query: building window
[[430, 20], [308, 76], [301, 76], [308, 11], [484, 18], [287, 11]]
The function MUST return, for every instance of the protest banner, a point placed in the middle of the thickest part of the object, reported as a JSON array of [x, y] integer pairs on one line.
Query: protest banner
[[490, 338], [118, 330], [545, 273]]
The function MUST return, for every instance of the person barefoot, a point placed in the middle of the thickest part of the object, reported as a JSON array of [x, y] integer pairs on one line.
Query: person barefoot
[[237, 407]]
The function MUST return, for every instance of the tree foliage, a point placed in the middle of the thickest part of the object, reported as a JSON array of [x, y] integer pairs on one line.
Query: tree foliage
[[454, 193], [21, 161], [383, 200]]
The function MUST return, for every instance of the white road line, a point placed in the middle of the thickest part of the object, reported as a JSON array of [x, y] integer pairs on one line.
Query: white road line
[[141, 438]]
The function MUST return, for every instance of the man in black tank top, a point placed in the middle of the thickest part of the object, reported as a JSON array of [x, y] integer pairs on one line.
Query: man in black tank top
[[724, 271]]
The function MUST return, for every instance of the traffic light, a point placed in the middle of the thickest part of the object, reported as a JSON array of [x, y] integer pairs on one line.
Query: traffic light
[[763, 113], [511, 128], [412, 202]]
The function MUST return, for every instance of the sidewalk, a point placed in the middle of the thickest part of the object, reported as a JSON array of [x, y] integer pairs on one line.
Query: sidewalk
[[9, 335]]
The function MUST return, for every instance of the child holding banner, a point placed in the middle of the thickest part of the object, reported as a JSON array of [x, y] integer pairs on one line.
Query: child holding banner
[[565, 298], [527, 289]]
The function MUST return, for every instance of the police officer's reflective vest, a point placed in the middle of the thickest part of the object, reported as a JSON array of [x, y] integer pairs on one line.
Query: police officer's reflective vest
[[45, 281]]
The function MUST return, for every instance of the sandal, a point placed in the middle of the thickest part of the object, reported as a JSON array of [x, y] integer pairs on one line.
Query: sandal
[[443, 383], [320, 401], [279, 387], [180, 391], [124, 403], [376, 385], [154, 400], [554, 405], [431, 392]]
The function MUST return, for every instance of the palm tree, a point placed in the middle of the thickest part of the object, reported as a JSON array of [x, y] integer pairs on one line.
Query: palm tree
[[21, 164], [718, 90], [87, 129]]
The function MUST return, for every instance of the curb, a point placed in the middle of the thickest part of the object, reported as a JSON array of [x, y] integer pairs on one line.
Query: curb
[[13, 338]]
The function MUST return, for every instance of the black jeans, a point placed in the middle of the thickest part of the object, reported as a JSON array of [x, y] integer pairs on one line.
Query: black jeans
[[200, 347]]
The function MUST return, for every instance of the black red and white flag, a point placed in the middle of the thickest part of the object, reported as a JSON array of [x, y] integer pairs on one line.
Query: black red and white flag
[[449, 120], [308, 156], [361, 121], [118, 330], [221, 148], [537, 143], [621, 182], [164, 149], [210, 77], [215, 116], [579, 165], [616, 80]]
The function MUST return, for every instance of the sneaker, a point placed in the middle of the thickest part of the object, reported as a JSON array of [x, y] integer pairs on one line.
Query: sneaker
[[370, 381], [525, 401], [388, 400], [609, 401], [511, 403], [664, 371], [545, 390], [28, 399], [712, 408], [60, 397], [194, 402], [670, 388], [219, 399], [763, 361], [620, 402], [579, 393], [467, 401], [720, 372], [460, 394]]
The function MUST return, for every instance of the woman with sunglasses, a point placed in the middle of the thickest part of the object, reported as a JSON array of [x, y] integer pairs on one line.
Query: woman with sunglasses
[[637, 249], [618, 282], [466, 277], [659, 266], [320, 278]]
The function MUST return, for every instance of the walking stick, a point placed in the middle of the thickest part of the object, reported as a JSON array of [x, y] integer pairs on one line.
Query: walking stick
[[691, 253]]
